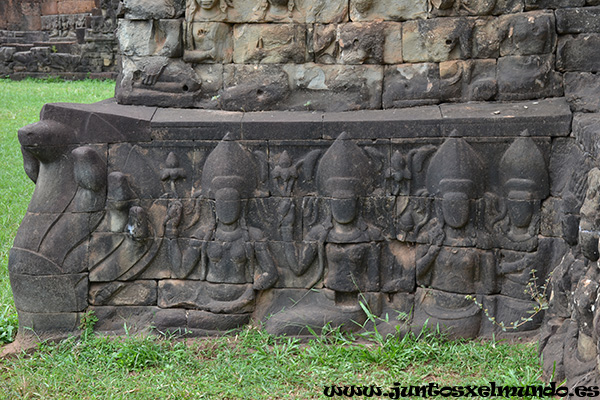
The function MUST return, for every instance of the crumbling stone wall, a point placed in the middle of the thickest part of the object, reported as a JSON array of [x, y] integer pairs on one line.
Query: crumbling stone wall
[[570, 336], [354, 54], [201, 220], [20, 15], [569, 340], [68, 37]]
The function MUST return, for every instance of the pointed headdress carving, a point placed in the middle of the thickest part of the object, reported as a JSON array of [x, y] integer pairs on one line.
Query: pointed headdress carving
[[229, 166], [523, 169], [455, 167], [345, 170]]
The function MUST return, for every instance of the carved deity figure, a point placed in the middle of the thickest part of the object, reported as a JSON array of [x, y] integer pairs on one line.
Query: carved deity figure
[[231, 257], [125, 243], [207, 10], [275, 9], [208, 42], [524, 178], [412, 213], [399, 174], [345, 242], [454, 178], [343, 248], [285, 173]]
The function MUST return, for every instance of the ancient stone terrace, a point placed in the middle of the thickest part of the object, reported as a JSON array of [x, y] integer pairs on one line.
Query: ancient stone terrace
[[262, 164]]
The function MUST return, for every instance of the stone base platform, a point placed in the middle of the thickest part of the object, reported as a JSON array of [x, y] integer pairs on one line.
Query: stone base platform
[[199, 221]]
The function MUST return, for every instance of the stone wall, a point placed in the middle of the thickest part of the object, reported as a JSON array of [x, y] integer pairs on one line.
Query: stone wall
[[198, 221], [20, 15], [71, 38], [570, 338], [334, 196], [569, 341], [354, 54]]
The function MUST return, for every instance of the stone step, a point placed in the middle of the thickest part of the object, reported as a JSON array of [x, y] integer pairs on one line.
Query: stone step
[[20, 47], [59, 47]]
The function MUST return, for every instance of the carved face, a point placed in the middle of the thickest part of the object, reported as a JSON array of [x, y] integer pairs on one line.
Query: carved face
[[362, 6], [344, 210], [455, 207], [520, 212], [278, 3], [207, 4], [228, 206]]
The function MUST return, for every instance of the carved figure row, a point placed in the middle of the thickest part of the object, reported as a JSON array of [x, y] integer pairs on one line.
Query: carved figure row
[[341, 252], [120, 239]]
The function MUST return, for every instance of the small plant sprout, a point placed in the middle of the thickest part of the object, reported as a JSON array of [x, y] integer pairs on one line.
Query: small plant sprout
[[538, 295]]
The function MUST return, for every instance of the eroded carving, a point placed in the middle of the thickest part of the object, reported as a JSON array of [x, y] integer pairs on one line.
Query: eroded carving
[[345, 249], [208, 42], [274, 9], [524, 179], [301, 233], [207, 10], [454, 178], [229, 259]]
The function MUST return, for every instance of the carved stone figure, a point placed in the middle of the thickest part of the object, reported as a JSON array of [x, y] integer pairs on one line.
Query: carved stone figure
[[361, 43], [412, 215], [399, 174], [172, 172], [454, 178], [208, 42], [231, 259], [275, 9], [148, 79], [52, 240], [524, 179], [125, 243], [206, 10], [345, 248], [285, 173], [470, 80]]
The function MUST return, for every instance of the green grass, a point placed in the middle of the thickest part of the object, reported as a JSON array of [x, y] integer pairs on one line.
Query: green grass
[[246, 365], [255, 365]]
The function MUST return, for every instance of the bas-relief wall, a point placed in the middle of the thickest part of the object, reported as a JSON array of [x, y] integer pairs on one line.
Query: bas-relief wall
[[72, 38], [202, 220], [288, 220]]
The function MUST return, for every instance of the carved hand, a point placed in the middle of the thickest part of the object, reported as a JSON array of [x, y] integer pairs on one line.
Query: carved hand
[[287, 217], [173, 219]]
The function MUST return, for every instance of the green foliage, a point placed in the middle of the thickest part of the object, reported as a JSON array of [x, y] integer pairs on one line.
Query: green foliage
[[9, 324], [86, 324], [253, 364], [537, 294]]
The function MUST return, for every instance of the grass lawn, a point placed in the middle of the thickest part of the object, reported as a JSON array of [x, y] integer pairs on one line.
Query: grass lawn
[[247, 365]]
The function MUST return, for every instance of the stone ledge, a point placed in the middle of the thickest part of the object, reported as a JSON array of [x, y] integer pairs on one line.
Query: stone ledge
[[552, 118], [103, 121]]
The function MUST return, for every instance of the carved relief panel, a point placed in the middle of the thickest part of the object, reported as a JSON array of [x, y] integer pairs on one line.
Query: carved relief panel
[[220, 231]]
